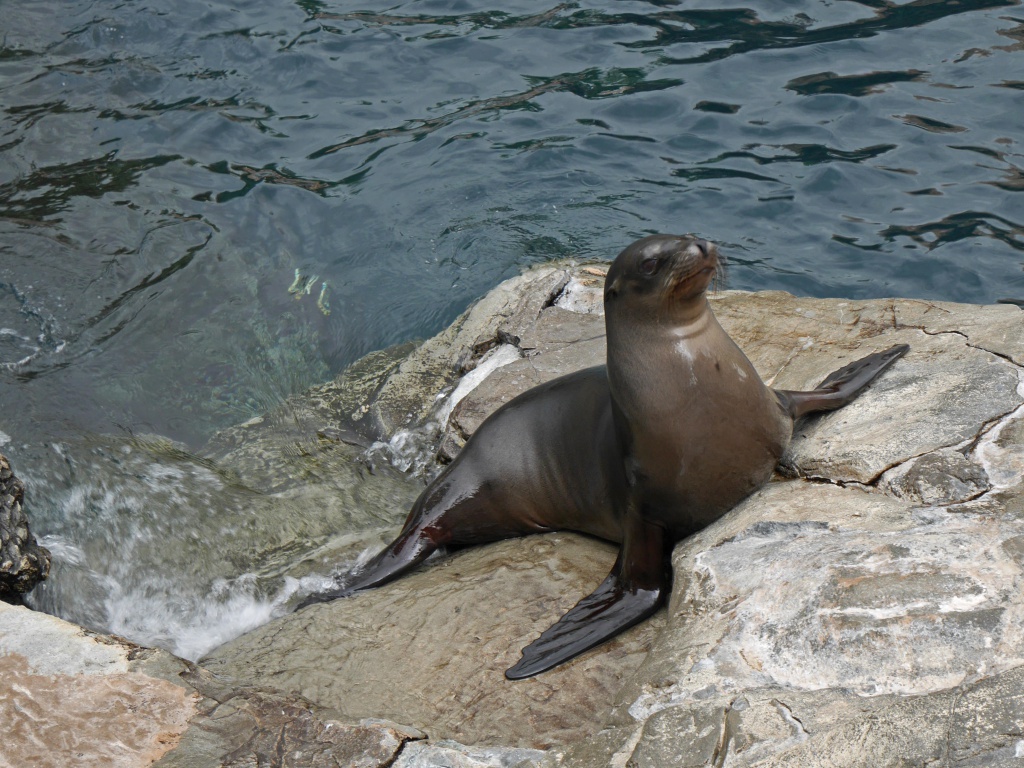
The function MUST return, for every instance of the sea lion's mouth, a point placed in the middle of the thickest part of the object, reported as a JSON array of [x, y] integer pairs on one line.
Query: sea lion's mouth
[[685, 284]]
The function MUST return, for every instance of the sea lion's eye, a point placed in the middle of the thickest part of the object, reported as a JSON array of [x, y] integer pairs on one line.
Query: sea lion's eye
[[648, 266]]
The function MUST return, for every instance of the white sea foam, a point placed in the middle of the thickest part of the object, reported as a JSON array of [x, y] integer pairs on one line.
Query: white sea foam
[[158, 613], [408, 450], [63, 550], [191, 626]]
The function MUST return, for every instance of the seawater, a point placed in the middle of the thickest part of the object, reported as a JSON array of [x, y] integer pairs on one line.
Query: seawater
[[206, 207]]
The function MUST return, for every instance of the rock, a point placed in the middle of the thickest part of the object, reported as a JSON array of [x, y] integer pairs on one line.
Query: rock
[[972, 725], [23, 563], [451, 754], [872, 588], [73, 697], [944, 476], [468, 618], [887, 600], [246, 727], [70, 697], [865, 608]]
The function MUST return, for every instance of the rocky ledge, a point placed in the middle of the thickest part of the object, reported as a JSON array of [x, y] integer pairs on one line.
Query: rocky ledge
[[865, 608]]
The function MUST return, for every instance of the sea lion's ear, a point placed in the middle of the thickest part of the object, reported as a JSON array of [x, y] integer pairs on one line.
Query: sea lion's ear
[[611, 290]]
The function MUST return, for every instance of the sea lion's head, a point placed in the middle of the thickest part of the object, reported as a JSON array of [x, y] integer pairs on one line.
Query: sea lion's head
[[661, 274]]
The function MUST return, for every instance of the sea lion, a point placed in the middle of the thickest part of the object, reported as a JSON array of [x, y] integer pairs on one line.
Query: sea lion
[[666, 438]]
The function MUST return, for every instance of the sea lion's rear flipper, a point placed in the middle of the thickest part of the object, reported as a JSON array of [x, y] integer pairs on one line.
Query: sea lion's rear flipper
[[842, 386], [633, 591], [412, 547]]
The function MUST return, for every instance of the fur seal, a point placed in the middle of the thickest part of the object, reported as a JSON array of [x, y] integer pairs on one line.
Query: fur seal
[[666, 438]]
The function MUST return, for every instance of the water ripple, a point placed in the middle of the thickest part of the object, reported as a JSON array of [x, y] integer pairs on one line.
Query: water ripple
[[45, 192], [851, 85], [591, 83]]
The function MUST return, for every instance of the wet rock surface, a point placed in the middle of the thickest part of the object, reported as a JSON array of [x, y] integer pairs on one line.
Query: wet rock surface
[[865, 608], [431, 650]]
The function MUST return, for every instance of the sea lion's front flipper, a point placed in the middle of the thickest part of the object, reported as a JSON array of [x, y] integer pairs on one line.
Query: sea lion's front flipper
[[842, 386], [633, 591]]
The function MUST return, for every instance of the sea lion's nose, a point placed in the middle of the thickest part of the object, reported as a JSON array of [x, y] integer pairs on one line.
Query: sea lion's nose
[[705, 246]]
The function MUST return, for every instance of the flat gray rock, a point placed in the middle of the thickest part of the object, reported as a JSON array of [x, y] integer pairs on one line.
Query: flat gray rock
[[70, 697]]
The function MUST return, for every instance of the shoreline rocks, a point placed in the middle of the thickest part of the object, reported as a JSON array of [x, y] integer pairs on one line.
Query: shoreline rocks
[[865, 608], [23, 563]]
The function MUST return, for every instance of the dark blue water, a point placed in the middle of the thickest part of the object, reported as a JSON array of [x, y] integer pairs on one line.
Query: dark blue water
[[207, 206]]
